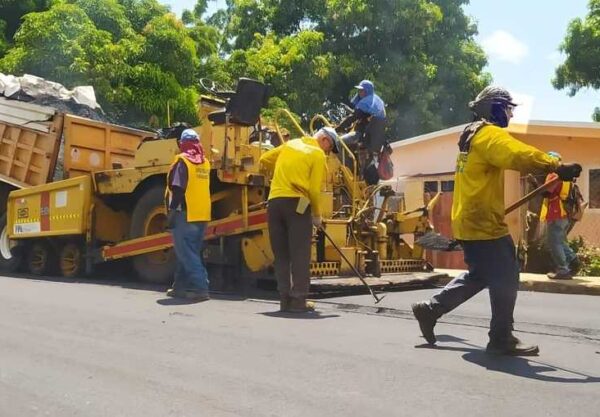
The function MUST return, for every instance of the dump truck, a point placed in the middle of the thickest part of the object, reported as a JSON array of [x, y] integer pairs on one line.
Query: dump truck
[[39, 144], [118, 212]]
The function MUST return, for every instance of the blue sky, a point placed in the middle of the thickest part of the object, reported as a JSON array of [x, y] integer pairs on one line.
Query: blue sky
[[521, 38]]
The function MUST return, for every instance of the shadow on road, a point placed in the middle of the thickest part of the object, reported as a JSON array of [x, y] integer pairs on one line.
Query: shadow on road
[[315, 315], [513, 365], [178, 301]]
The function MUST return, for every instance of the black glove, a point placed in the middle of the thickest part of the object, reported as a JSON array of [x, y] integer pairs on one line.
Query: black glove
[[171, 219], [567, 172]]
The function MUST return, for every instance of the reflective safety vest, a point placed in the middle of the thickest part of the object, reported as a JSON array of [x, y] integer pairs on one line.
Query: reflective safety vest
[[556, 198], [197, 192]]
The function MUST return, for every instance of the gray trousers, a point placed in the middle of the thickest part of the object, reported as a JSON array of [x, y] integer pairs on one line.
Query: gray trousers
[[492, 264], [290, 235]]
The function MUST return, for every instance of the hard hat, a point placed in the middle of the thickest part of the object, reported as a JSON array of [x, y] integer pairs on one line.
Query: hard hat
[[189, 135], [492, 95], [332, 134], [555, 155]]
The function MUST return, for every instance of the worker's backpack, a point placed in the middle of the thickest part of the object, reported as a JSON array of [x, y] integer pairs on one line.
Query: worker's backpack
[[574, 203], [385, 167]]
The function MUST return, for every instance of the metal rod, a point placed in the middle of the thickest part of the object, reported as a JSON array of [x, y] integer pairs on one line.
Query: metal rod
[[356, 271]]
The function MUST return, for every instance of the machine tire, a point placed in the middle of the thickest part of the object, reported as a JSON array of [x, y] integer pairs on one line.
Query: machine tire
[[71, 260], [11, 252], [156, 267], [41, 258]]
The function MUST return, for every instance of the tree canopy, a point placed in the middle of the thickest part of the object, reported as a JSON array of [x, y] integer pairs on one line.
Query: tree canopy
[[420, 54], [581, 46]]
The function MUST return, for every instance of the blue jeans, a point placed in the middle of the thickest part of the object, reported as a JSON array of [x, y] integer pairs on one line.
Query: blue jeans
[[556, 239], [188, 238], [492, 264]]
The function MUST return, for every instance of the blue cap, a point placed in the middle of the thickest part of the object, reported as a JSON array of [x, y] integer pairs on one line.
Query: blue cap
[[332, 134], [365, 85], [189, 135]]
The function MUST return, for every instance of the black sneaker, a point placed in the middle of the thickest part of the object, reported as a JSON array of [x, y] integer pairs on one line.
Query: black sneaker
[[564, 275], [172, 292], [512, 347], [427, 320], [197, 295]]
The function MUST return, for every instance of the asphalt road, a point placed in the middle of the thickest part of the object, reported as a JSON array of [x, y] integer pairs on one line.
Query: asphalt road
[[78, 349]]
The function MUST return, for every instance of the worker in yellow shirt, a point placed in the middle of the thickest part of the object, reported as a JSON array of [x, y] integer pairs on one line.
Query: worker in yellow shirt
[[189, 211], [298, 168], [486, 150]]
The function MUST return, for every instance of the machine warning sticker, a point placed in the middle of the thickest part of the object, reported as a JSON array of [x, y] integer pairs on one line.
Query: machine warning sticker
[[60, 199], [22, 228]]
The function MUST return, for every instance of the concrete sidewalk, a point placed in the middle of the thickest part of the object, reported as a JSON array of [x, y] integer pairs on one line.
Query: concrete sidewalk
[[541, 283]]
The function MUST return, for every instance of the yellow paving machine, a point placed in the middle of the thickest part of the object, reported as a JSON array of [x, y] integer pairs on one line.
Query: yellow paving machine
[[70, 226]]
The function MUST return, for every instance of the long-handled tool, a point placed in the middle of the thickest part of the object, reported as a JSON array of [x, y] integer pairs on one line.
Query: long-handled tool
[[356, 271], [435, 241]]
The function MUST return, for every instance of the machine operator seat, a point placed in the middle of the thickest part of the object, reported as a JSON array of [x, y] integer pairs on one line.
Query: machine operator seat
[[245, 105]]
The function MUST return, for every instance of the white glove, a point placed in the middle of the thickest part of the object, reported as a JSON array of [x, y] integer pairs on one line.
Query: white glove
[[317, 221]]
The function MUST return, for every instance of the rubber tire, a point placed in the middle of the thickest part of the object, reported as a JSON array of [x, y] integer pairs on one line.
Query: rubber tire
[[50, 264], [14, 263], [145, 269], [80, 267]]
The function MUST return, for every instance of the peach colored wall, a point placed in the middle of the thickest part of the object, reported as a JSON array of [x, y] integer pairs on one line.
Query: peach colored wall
[[438, 155]]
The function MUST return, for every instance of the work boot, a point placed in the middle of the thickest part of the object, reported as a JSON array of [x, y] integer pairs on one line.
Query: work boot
[[560, 275], [575, 266], [173, 293], [511, 347], [196, 295], [427, 320], [300, 305]]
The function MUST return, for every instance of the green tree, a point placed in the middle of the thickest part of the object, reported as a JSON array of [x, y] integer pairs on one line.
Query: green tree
[[61, 44], [12, 11], [107, 15], [140, 12], [168, 45], [581, 46], [421, 55], [3, 42]]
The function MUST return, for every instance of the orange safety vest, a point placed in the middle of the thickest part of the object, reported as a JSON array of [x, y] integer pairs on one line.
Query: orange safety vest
[[197, 192]]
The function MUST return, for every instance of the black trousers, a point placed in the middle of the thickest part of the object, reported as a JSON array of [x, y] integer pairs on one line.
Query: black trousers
[[290, 235], [492, 264]]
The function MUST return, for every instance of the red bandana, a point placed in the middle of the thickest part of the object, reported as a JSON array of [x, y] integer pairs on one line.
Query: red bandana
[[192, 151]]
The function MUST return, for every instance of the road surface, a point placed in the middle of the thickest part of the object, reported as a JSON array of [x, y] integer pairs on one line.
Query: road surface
[[82, 349]]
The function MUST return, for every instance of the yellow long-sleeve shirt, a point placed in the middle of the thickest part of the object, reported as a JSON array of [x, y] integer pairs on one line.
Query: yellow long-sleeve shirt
[[478, 206], [299, 167]]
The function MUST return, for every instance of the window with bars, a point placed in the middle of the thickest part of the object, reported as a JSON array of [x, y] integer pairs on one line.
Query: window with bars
[[431, 187], [594, 186], [448, 186]]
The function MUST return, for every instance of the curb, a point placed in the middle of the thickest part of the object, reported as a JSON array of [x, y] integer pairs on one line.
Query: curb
[[538, 283]]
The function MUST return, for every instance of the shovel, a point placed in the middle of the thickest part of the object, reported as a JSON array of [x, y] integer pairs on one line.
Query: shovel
[[435, 241]]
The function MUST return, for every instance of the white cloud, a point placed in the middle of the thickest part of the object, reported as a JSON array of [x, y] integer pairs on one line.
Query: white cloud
[[522, 113], [503, 46]]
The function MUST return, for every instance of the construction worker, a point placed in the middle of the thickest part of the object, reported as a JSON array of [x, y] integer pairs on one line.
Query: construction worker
[[555, 215], [369, 120], [188, 208], [298, 168], [486, 150], [368, 107]]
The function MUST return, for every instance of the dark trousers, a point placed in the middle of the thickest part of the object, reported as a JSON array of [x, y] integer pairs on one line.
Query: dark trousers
[[492, 264], [290, 235]]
